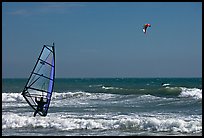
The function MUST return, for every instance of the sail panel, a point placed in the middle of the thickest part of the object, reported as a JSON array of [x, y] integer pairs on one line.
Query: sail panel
[[41, 80]]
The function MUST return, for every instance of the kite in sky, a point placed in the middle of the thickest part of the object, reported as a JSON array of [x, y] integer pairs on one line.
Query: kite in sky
[[145, 27]]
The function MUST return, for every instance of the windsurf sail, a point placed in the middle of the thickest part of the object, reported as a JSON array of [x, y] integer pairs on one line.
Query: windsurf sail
[[41, 80]]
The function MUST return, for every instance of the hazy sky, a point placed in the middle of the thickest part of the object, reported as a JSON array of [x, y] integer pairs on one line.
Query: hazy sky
[[104, 39]]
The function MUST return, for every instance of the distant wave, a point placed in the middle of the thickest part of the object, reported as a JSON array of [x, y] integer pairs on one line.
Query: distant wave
[[185, 92], [111, 88], [98, 85], [180, 92], [149, 122], [106, 87], [9, 97], [191, 92], [81, 95], [166, 84], [17, 97]]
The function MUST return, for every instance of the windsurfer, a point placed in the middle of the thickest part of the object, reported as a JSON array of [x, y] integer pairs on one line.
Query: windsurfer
[[40, 105]]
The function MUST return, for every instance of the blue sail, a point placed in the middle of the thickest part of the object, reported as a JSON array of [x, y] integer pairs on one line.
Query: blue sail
[[41, 80]]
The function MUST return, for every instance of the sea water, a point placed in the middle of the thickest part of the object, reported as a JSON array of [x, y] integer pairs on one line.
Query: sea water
[[107, 107]]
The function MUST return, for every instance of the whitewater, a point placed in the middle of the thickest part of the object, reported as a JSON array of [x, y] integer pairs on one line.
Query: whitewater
[[107, 107]]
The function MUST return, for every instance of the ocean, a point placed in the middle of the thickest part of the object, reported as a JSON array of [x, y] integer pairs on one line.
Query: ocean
[[107, 107]]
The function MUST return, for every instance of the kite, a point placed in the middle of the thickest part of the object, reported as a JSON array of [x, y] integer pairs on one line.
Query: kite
[[145, 27]]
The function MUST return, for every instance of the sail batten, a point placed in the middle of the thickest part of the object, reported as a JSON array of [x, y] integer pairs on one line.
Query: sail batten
[[41, 80], [42, 76]]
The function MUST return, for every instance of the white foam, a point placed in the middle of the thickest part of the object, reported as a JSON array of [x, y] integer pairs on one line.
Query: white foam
[[16, 97], [191, 92], [66, 95], [166, 84], [148, 97], [111, 88], [10, 97], [82, 95], [161, 123]]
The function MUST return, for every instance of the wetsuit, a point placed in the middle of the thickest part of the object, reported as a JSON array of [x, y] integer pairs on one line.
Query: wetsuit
[[40, 105]]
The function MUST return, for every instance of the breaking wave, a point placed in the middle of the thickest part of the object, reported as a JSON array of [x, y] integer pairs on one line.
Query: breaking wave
[[159, 123], [191, 92], [180, 92]]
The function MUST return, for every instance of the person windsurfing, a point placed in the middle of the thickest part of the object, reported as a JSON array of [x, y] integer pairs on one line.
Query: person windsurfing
[[145, 27], [40, 105]]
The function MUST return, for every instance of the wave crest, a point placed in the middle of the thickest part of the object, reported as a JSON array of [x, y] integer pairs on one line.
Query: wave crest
[[191, 92], [152, 123]]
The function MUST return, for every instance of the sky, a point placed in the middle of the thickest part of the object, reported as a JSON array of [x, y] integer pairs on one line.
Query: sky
[[104, 39]]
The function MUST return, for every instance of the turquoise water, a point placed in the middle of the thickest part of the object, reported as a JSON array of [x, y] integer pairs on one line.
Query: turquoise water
[[108, 106]]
